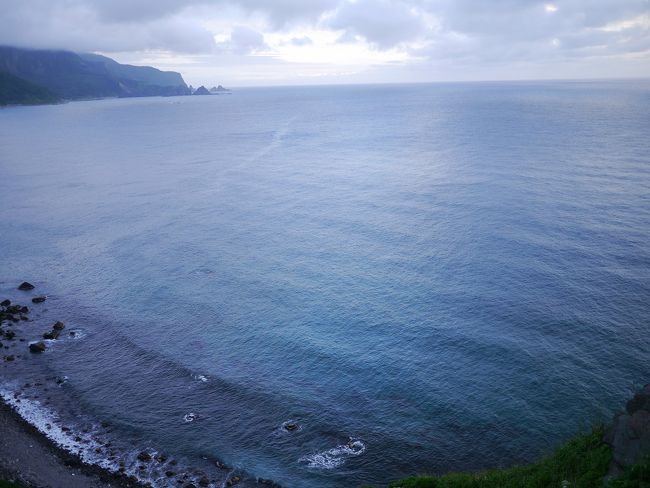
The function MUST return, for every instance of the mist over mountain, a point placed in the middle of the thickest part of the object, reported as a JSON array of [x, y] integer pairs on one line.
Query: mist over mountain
[[73, 76]]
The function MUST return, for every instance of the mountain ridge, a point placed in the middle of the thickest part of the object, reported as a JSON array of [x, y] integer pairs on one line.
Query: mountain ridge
[[72, 76]]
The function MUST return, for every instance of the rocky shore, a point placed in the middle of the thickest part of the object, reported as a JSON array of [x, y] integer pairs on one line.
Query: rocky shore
[[26, 455], [32, 459], [44, 453]]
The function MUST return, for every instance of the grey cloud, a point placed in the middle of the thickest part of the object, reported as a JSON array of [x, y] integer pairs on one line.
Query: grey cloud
[[470, 33], [70, 24], [384, 23], [243, 40]]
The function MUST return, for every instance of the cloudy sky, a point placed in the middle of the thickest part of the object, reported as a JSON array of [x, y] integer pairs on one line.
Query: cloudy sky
[[281, 42]]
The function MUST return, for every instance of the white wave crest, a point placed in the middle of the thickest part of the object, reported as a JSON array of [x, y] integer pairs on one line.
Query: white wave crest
[[334, 457]]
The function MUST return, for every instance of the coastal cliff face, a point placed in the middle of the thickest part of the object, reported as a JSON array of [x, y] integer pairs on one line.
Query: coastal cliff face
[[629, 433], [72, 76]]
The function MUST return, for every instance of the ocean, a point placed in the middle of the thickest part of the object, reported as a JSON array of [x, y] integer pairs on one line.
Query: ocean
[[414, 278]]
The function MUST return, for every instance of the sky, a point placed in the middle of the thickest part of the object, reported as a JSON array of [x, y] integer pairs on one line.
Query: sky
[[299, 42]]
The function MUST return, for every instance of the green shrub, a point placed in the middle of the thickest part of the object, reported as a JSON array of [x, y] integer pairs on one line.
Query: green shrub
[[580, 463]]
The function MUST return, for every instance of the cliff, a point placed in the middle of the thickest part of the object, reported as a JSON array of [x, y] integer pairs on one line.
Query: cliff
[[74, 76]]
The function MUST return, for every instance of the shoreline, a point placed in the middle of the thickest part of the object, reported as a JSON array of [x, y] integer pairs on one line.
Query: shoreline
[[29, 457], [40, 448]]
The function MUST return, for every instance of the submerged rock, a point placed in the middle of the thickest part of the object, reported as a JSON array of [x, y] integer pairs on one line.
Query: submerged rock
[[58, 325], [40, 299], [233, 481], [26, 286], [37, 347], [144, 456], [291, 426]]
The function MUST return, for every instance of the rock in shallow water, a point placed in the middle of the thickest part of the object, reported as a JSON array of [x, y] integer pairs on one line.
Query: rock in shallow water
[[58, 325], [40, 299], [37, 347], [144, 457], [26, 286], [5, 303]]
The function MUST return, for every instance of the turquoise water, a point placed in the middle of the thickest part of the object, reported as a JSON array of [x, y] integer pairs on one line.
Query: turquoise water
[[422, 277]]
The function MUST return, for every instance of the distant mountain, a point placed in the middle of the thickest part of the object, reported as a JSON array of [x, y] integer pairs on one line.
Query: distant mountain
[[81, 76], [143, 74], [16, 91]]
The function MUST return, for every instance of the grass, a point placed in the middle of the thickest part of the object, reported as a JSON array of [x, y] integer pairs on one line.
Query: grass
[[580, 463]]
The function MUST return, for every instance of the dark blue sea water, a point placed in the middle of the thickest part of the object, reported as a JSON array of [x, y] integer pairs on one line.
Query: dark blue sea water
[[423, 277]]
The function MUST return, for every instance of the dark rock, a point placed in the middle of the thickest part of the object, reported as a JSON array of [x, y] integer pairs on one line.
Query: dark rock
[[270, 483], [26, 286], [58, 325], [37, 347], [290, 426], [629, 433], [24, 317], [641, 401], [173, 462], [24, 309], [144, 457], [161, 458], [53, 334], [233, 481], [201, 91], [204, 481], [9, 358], [190, 485], [220, 465], [5, 303], [40, 299], [10, 334]]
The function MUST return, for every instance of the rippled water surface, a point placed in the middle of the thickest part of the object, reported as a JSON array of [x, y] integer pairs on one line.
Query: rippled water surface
[[421, 278]]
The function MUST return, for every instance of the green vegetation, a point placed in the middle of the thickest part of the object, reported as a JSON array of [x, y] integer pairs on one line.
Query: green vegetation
[[10, 484], [580, 463], [16, 91]]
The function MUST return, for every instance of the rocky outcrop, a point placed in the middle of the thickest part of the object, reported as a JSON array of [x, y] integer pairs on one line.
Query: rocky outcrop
[[629, 433], [37, 347], [201, 91]]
